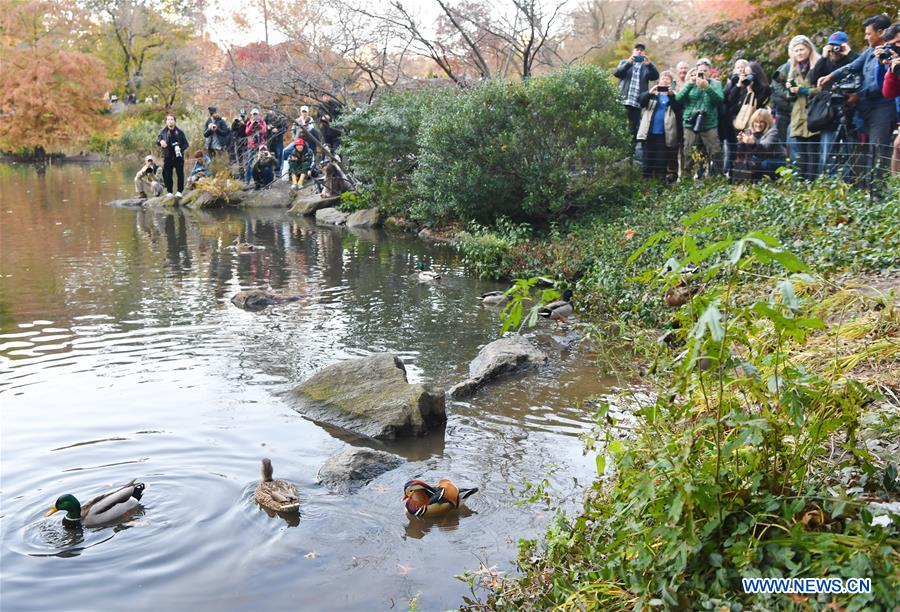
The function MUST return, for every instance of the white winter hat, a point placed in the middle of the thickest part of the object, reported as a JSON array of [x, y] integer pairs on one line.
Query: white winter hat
[[304, 108]]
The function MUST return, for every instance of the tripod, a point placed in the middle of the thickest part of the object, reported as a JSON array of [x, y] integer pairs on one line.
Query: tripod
[[839, 152]]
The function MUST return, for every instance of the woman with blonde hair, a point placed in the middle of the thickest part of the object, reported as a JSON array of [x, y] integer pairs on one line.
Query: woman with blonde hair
[[759, 149], [798, 88]]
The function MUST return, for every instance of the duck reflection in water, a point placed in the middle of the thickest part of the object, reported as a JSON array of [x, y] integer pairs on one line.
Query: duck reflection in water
[[417, 527], [291, 518]]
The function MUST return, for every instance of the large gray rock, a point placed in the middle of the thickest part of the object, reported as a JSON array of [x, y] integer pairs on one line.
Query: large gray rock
[[354, 467], [368, 217], [370, 396], [274, 195], [331, 216], [499, 358], [257, 299], [308, 204]]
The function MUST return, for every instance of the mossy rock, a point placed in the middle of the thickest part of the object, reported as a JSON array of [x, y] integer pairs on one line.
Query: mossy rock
[[370, 396]]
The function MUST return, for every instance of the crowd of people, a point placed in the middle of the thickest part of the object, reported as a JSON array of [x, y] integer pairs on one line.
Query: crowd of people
[[828, 113], [253, 146]]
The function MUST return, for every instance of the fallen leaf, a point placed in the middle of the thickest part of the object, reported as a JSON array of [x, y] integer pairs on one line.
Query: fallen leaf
[[312, 554], [405, 569]]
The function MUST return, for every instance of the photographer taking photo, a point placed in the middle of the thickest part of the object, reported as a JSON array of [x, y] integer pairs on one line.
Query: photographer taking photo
[[635, 74], [879, 113], [836, 54], [890, 55], [256, 131], [700, 99]]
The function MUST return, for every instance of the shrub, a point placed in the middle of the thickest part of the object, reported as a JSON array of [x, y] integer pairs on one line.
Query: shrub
[[531, 151]]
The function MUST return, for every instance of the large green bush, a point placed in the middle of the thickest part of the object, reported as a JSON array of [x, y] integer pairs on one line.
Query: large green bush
[[533, 151]]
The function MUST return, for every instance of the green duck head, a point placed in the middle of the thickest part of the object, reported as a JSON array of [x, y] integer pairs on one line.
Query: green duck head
[[420, 265], [567, 295], [71, 506]]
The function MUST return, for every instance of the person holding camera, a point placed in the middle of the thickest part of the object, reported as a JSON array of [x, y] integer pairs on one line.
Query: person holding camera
[[891, 87], [256, 131], [300, 164], [303, 128], [215, 133], [836, 54], [700, 99], [879, 113], [635, 74], [759, 149], [659, 128], [145, 181], [798, 89], [264, 166], [174, 145]]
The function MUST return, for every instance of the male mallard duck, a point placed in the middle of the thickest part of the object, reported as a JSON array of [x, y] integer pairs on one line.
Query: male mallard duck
[[245, 247], [102, 509], [426, 276], [493, 298], [424, 500], [560, 309], [276, 495]]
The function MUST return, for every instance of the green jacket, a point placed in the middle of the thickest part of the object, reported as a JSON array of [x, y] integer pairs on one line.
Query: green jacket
[[693, 99]]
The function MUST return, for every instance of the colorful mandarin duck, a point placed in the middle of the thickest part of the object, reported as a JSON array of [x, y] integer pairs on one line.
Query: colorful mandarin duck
[[426, 501]]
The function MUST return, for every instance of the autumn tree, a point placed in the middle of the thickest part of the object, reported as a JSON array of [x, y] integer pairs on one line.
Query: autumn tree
[[52, 95], [134, 31], [763, 34]]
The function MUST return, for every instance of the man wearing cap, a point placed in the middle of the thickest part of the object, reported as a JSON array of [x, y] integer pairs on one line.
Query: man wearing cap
[[700, 98], [300, 164], [145, 180], [879, 113], [256, 137], [635, 74], [301, 123], [836, 54], [215, 131]]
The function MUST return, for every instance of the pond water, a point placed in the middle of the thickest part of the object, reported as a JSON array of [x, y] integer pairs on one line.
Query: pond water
[[122, 357]]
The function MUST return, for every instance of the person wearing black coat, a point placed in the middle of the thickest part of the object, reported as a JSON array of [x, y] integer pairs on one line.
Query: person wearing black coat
[[635, 74], [238, 148], [174, 145], [836, 54]]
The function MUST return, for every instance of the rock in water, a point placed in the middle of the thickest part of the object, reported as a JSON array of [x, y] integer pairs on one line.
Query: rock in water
[[306, 204], [331, 216], [354, 467], [497, 359], [368, 217], [257, 299], [370, 396]]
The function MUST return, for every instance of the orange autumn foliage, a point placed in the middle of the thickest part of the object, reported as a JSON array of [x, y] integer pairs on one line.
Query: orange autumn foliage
[[52, 97]]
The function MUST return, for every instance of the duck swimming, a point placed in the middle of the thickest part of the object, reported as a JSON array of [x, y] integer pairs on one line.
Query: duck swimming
[[493, 298], [245, 247], [426, 276], [276, 495], [104, 508], [423, 500]]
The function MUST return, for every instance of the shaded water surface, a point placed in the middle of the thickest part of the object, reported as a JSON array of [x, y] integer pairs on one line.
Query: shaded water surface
[[121, 357]]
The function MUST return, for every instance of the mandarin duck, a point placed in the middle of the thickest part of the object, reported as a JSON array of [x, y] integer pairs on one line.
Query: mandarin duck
[[104, 508], [423, 500]]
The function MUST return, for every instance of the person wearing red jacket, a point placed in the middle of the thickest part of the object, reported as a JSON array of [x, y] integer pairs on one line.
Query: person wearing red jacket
[[891, 86], [256, 135]]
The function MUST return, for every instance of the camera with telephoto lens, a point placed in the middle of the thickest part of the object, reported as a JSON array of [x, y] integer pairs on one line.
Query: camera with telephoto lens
[[696, 120], [850, 84]]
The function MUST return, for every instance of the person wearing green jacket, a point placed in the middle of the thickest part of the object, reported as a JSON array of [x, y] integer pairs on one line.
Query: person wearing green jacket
[[700, 98]]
